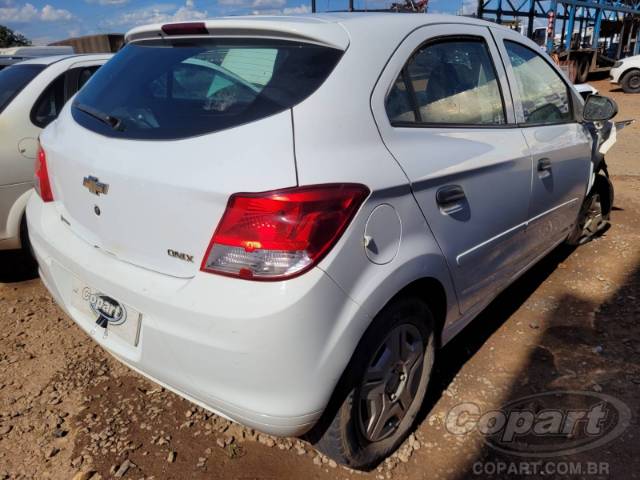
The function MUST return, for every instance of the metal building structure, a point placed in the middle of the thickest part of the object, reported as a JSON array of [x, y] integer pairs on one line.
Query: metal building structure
[[101, 43], [594, 14], [593, 34]]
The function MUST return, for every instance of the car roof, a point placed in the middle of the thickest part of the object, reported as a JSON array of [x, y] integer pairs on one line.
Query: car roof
[[57, 58], [332, 29]]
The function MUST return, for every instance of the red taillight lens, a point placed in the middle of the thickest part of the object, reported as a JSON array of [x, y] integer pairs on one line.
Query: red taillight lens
[[280, 234], [41, 177]]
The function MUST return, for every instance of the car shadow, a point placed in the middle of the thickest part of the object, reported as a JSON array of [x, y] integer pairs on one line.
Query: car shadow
[[592, 351], [452, 357], [17, 266]]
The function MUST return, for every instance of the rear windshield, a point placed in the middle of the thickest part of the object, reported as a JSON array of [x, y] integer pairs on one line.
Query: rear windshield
[[186, 88], [14, 79]]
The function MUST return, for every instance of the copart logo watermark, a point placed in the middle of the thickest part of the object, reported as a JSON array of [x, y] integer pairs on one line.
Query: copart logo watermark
[[544, 425]]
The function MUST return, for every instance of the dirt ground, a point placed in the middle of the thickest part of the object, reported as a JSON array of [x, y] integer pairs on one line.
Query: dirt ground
[[68, 410]]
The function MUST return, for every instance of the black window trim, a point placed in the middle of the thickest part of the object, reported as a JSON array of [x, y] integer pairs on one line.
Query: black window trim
[[71, 78], [32, 114], [412, 96], [562, 78]]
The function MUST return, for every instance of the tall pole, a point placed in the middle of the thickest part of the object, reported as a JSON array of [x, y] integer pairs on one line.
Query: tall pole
[[313, 6], [532, 14], [596, 25], [551, 30], [570, 26]]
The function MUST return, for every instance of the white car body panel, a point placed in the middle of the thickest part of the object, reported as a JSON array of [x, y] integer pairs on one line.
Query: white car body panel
[[269, 354], [585, 89], [19, 142]]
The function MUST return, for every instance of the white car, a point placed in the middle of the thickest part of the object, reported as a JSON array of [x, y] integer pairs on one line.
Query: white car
[[32, 93], [286, 238], [626, 73]]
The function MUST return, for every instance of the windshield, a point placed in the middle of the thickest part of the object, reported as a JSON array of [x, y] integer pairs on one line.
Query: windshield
[[188, 88], [13, 79]]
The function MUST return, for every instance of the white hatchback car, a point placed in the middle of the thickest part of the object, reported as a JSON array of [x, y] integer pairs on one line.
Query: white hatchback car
[[626, 73], [32, 93], [281, 218]]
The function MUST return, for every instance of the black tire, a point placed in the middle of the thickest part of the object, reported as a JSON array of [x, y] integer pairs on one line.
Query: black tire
[[595, 213], [582, 72], [342, 435], [631, 82], [27, 251]]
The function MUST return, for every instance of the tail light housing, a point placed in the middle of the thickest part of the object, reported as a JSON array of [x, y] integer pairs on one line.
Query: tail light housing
[[280, 234], [41, 177]]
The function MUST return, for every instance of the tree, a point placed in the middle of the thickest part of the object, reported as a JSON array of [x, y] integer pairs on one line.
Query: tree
[[9, 38]]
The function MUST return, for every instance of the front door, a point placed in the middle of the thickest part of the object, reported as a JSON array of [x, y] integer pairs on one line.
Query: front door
[[560, 146]]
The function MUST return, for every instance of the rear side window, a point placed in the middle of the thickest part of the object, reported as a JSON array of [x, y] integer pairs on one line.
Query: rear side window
[[186, 88], [14, 79], [85, 74], [448, 82], [544, 95], [48, 106]]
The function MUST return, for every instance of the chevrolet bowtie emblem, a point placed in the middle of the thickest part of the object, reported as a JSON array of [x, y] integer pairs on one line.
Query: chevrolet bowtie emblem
[[95, 186]]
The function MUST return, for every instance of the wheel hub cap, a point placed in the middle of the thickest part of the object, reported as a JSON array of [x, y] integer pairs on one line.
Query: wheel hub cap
[[391, 382]]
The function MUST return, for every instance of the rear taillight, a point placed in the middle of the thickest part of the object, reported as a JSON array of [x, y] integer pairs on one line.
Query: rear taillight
[[280, 234], [41, 177]]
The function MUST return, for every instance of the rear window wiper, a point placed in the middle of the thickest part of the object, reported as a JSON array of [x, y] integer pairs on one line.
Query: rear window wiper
[[113, 122]]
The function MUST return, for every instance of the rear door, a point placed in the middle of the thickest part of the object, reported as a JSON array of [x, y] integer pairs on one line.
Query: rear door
[[444, 110], [559, 144]]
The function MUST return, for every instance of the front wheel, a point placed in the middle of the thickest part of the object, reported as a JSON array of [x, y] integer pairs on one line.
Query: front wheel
[[595, 213], [386, 383], [631, 82]]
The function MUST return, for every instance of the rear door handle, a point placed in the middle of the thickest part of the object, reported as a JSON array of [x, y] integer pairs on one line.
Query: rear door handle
[[450, 194], [449, 198], [544, 165]]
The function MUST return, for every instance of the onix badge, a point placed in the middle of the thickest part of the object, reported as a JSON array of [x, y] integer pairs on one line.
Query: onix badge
[[95, 186]]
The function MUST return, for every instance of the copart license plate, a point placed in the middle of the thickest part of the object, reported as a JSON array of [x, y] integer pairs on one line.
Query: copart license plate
[[109, 315]]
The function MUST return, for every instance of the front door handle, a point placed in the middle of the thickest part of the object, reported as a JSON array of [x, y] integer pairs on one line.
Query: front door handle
[[544, 165], [450, 198]]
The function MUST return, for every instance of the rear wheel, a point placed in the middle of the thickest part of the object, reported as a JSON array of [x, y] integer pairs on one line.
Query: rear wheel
[[631, 82], [385, 385]]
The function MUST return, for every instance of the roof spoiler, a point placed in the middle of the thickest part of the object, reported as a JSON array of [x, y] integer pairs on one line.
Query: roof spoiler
[[309, 30]]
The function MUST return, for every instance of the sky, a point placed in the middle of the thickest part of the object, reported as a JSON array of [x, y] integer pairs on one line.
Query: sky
[[45, 21]]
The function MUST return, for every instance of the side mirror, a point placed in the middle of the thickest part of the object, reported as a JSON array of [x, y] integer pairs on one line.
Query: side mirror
[[599, 109]]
